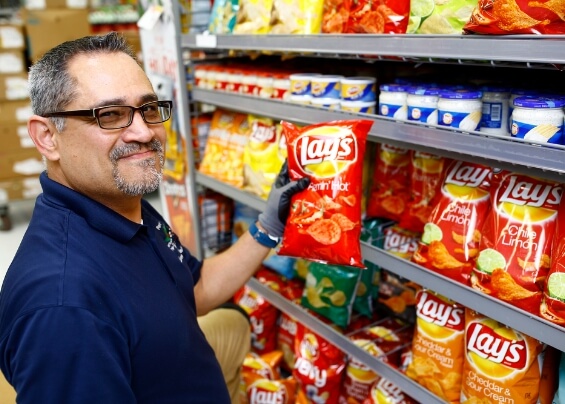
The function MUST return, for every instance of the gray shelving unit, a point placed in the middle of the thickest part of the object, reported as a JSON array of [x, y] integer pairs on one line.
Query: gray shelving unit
[[524, 51]]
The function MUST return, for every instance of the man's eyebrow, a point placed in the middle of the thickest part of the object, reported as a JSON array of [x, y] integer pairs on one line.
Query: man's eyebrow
[[122, 101]]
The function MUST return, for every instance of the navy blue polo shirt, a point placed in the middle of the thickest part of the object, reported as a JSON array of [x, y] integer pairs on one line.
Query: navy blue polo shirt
[[98, 309]]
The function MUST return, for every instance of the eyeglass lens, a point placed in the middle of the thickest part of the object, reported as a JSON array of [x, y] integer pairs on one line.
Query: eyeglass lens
[[115, 117]]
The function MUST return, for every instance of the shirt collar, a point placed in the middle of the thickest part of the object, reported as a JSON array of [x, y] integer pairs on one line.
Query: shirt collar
[[94, 213]]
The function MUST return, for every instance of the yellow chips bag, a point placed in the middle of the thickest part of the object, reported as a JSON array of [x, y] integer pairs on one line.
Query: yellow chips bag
[[262, 157]]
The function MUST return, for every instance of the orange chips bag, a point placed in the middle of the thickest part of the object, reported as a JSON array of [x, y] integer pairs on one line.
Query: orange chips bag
[[379, 17], [450, 242], [216, 145], [335, 16], [390, 191], [553, 301], [232, 167], [517, 17], [501, 365], [261, 390], [514, 256], [425, 185], [438, 345], [324, 223]]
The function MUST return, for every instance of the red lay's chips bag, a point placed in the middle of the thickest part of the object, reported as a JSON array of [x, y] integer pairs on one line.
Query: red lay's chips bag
[[501, 365], [553, 301], [390, 191], [319, 367], [425, 184], [514, 257], [450, 242], [324, 222], [378, 17]]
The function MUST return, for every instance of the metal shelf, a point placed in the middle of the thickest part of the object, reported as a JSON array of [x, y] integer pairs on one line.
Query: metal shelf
[[523, 49], [513, 154], [535, 327], [344, 344]]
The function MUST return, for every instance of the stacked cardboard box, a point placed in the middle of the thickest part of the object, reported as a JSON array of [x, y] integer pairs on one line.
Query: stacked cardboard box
[[20, 163], [51, 22]]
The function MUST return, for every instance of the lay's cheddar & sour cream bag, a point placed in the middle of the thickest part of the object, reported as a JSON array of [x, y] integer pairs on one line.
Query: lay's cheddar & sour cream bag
[[324, 222]]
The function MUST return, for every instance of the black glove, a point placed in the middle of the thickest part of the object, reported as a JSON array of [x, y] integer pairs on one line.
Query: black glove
[[273, 218]]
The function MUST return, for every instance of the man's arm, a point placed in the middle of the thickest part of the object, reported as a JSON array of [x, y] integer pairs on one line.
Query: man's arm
[[223, 274]]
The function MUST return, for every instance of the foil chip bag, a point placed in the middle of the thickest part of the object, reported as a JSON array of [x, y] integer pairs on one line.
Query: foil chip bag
[[439, 16], [515, 248], [438, 345], [450, 242], [553, 301], [324, 223], [502, 17], [501, 365]]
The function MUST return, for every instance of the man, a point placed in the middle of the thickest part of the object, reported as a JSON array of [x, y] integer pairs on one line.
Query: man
[[100, 304]]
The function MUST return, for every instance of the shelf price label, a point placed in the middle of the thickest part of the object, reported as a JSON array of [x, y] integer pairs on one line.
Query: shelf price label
[[206, 41]]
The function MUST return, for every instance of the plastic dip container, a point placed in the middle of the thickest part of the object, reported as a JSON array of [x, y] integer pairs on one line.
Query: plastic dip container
[[326, 86], [281, 86], [264, 85], [331, 103], [460, 109], [364, 107], [358, 89], [538, 119], [513, 95], [248, 83], [233, 80], [300, 83], [221, 80], [495, 110], [422, 104], [392, 101]]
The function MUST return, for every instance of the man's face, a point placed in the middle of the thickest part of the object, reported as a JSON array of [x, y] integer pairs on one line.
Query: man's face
[[109, 164]]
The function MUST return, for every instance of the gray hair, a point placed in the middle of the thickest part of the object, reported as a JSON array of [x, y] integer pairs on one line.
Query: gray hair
[[51, 87]]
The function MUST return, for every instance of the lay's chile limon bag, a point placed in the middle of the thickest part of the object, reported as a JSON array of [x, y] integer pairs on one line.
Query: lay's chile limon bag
[[515, 248]]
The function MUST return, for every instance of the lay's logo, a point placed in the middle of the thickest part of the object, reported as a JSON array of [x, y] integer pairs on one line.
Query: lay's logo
[[391, 391], [490, 345], [259, 394], [399, 242], [263, 133], [525, 191], [434, 310], [467, 174], [326, 151]]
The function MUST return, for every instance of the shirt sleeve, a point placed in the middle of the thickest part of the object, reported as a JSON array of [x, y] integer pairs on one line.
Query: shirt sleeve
[[67, 355]]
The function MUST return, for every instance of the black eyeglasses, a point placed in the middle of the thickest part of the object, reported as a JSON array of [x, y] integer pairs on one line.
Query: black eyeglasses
[[121, 116]]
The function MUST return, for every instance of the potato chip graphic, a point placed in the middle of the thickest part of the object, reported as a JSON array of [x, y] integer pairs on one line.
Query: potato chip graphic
[[556, 6], [506, 288], [343, 221], [325, 231], [442, 259], [511, 18]]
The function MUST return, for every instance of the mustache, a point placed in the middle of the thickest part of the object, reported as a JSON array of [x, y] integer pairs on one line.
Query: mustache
[[127, 149]]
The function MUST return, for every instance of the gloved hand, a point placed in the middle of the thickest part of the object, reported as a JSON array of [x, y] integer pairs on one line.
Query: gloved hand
[[273, 218]]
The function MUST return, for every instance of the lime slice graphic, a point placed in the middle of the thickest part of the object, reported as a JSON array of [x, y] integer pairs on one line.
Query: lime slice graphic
[[422, 8], [413, 24], [431, 233], [556, 285], [489, 260]]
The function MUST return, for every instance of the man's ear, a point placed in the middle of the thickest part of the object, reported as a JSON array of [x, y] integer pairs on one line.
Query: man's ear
[[43, 133]]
